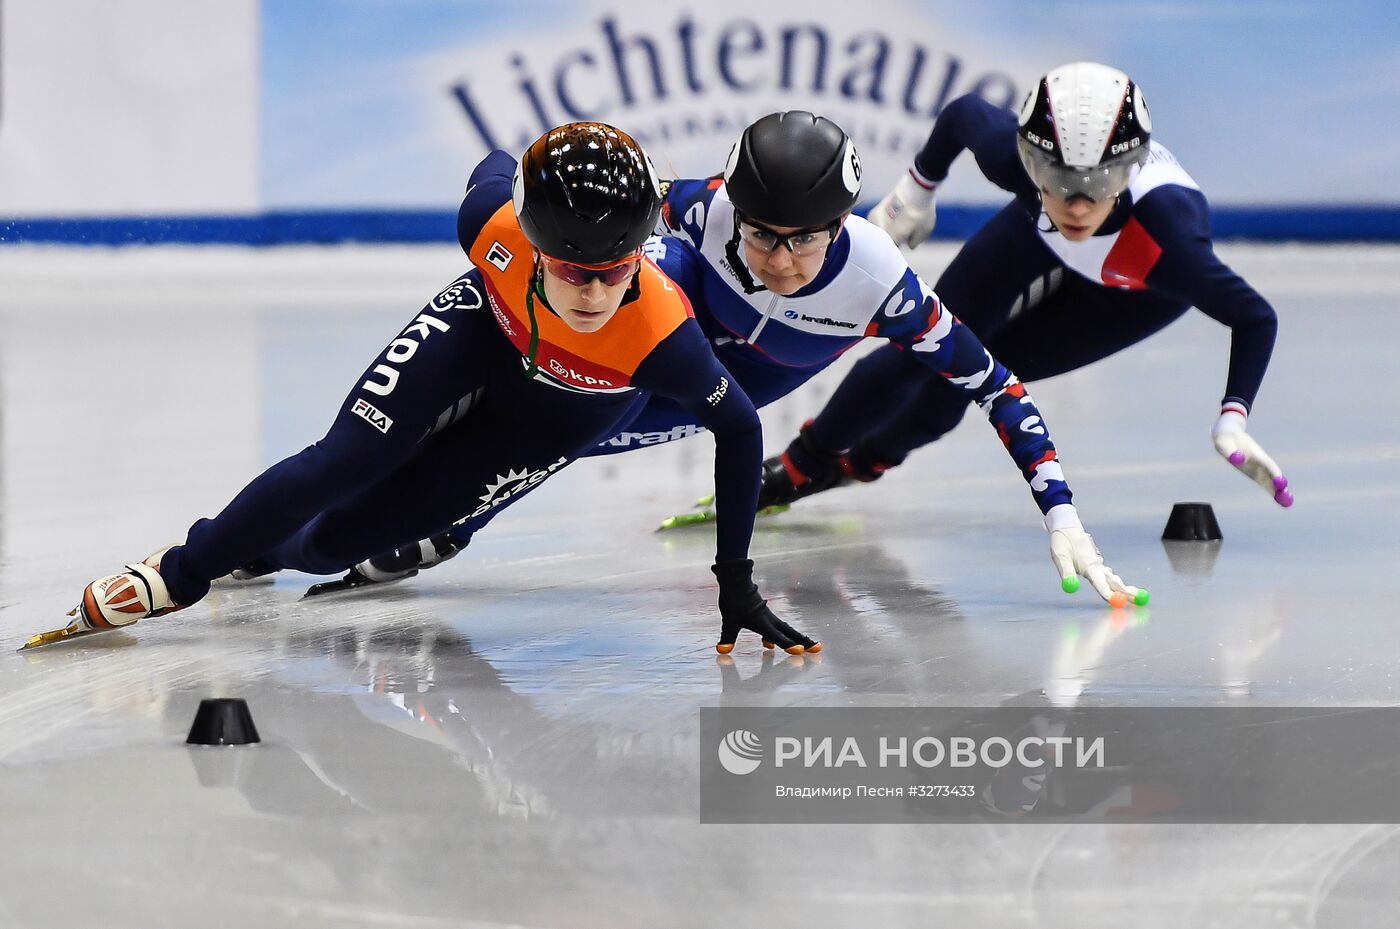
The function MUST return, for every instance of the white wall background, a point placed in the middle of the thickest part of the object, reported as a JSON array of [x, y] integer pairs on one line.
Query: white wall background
[[128, 107], [200, 107]]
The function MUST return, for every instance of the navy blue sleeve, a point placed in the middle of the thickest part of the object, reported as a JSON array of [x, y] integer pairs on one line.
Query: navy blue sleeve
[[989, 132], [411, 387], [1178, 220], [685, 205], [684, 368], [679, 261], [487, 188]]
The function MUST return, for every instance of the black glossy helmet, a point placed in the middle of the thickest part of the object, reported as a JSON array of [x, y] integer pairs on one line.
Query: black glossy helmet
[[793, 169], [586, 193]]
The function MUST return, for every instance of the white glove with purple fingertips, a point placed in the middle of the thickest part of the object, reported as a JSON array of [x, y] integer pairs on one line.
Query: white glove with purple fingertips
[[1239, 448]]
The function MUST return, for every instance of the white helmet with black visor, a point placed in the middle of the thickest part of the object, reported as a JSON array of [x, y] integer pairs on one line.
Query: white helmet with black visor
[[1083, 130]]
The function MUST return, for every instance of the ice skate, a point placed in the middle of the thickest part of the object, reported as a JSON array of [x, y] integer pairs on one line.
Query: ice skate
[[254, 572], [776, 493], [73, 630], [706, 507], [779, 489], [401, 563], [115, 601]]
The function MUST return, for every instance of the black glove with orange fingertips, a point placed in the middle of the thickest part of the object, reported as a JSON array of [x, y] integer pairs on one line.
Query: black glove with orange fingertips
[[741, 607]]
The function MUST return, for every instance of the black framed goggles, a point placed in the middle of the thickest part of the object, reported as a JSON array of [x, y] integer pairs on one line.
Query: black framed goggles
[[801, 243]]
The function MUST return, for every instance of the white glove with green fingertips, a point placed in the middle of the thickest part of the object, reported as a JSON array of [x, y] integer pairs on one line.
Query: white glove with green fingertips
[[1074, 554]]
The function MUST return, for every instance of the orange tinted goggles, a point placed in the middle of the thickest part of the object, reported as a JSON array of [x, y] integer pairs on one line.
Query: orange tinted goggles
[[580, 275]]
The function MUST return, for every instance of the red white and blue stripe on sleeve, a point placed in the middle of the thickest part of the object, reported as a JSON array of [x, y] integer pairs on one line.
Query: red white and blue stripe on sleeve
[[939, 339]]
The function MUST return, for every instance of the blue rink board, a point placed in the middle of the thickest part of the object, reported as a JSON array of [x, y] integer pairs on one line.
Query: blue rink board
[[1263, 224]]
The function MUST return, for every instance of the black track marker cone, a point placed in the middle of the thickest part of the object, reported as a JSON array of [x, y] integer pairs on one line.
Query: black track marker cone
[[1192, 522], [223, 721]]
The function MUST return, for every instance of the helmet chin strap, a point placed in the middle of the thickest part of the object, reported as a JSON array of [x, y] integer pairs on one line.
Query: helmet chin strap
[[536, 289], [536, 284], [741, 270]]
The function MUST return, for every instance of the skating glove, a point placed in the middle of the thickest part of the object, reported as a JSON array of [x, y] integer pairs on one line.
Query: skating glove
[[741, 607], [1075, 555], [908, 212], [1239, 448]]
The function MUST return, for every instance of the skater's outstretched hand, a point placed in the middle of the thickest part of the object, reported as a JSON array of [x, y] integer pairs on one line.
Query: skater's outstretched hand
[[907, 213], [1239, 448], [741, 607], [1075, 555]]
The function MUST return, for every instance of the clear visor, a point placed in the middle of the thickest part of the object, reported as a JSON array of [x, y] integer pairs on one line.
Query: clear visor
[[1099, 183], [801, 243]]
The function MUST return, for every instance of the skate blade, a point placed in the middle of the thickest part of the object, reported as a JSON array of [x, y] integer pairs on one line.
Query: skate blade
[[708, 516], [229, 581], [333, 587], [707, 501], [686, 519], [73, 630], [351, 581]]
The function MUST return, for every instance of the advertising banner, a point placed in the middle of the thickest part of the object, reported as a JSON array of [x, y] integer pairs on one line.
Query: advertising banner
[[327, 120], [683, 78], [368, 103]]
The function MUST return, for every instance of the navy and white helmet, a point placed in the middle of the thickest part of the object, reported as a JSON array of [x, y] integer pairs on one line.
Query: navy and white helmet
[[1082, 130]]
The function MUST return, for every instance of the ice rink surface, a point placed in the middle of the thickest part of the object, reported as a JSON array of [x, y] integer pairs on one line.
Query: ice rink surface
[[511, 739]]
